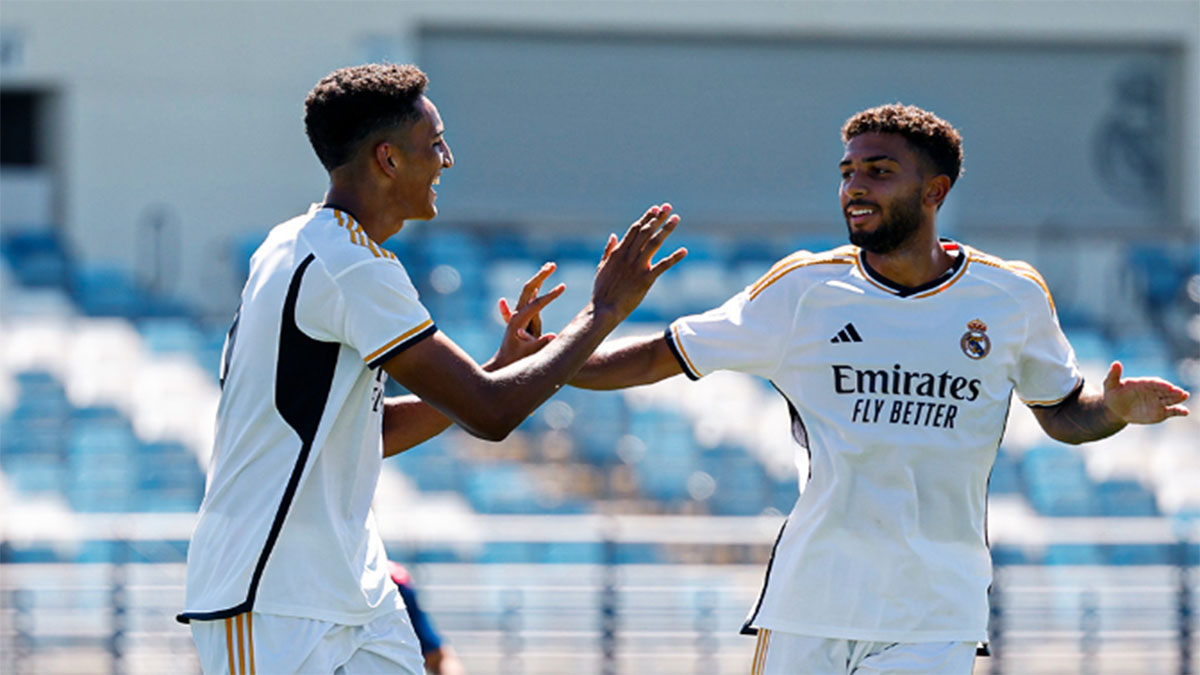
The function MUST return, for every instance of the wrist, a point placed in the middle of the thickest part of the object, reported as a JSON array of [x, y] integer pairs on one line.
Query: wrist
[[606, 317]]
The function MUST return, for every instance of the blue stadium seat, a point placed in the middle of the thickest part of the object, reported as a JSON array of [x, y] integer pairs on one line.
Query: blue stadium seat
[[108, 290], [1125, 498], [1140, 554], [171, 335], [1056, 482], [431, 467], [671, 454], [37, 257], [1009, 555], [502, 488], [33, 472], [598, 423], [1073, 554], [743, 488]]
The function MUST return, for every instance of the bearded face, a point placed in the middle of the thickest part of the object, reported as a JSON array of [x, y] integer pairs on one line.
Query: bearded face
[[897, 220]]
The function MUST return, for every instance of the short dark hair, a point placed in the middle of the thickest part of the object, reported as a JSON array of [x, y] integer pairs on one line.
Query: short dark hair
[[350, 104], [934, 137]]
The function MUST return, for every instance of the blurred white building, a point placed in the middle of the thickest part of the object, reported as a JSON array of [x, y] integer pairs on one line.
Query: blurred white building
[[156, 133]]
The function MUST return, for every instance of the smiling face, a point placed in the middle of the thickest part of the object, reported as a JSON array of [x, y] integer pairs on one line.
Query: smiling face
[[882, 191], [422, 154]]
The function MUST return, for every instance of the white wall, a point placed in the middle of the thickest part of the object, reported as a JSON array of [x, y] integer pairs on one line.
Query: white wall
[[198, 105]]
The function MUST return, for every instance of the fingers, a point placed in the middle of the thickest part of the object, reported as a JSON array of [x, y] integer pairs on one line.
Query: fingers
[[667, 263], [531, 288], [1113, 379], [656, 239], [643, 228], [609, 247], [535, 306]]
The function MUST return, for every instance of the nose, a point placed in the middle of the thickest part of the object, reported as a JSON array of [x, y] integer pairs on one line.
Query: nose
[[853, 187], [447, 156]]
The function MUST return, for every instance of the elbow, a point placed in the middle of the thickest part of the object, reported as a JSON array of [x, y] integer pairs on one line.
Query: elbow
[[493, 427]]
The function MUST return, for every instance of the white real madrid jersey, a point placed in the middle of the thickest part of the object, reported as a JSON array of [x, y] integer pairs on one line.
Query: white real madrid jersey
[[286, 525], [900, 397]]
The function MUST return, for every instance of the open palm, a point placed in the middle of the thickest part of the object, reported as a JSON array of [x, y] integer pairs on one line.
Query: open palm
[[1142, 400]]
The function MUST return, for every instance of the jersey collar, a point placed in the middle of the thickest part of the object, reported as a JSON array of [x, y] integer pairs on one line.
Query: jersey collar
[[929, 288], [336, 207]]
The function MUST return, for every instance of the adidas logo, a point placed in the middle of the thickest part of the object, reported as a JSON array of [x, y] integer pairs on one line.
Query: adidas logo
[[847, 334]]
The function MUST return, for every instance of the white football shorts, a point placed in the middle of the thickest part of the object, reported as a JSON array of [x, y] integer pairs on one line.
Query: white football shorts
[[271, 644], [787, 653]]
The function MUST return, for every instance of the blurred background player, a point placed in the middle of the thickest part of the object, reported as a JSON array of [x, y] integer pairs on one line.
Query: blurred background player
[[440, 658], [898, 355], [286, 568]]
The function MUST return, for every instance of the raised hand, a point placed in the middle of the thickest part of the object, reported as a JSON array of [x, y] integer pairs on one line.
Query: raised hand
[[625, 273], [523, 325], [1142, 400]]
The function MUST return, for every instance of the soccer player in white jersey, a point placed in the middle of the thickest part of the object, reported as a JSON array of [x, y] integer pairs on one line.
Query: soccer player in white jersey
[[286, 571], [897, 355]]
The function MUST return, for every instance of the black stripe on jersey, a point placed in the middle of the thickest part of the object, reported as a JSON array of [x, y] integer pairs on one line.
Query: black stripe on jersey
[[227, 350], [749, 628], [380, 360], [679, 355], [799, 431], [304, 372], [853, 333]]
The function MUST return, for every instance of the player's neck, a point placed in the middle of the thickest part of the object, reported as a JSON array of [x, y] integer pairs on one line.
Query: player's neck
[[374, 216], [916, 262]]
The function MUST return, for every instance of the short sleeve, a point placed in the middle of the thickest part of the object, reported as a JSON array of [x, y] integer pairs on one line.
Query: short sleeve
[[372, 307], [745, 334], [1047, 372]]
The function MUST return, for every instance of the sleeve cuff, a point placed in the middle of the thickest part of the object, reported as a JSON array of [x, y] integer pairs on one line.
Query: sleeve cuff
[[1050, 404], [412, 337], [680, 355]]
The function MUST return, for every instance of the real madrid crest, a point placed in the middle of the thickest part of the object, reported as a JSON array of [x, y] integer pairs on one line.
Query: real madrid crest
[[975, 342]]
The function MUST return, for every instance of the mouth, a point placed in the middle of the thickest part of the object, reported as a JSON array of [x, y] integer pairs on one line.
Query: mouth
[[857, 214], [436, 179]]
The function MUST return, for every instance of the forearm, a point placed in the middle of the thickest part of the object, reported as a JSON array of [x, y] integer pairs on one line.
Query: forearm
[[627, 362], [408, 421], [515, 391], [1081, 418]]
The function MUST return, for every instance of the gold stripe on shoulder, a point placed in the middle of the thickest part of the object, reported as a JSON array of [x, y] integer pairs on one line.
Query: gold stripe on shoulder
[[367, 241], [1019, 268], [795, 262], [358, 235]]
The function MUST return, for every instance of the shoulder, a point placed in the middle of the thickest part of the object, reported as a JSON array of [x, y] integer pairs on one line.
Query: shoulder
[[341, 244], [1016, 276], [820, 264]]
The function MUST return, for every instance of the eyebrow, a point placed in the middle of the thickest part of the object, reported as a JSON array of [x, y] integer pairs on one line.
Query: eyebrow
[[866, 160]]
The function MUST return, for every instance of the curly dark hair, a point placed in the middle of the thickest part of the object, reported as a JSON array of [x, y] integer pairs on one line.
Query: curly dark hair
[[934, 137], [350, 104]]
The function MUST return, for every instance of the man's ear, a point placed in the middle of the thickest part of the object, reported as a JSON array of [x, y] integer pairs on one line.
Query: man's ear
[[936, 190], [385, 157]]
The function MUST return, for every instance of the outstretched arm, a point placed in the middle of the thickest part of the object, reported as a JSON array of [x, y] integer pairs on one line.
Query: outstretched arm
[[1094, 414], [628, 362], [491, 405], [409, 421]]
